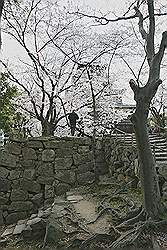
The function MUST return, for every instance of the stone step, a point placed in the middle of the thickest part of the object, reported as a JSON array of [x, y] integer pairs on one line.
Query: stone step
[[129, 139], [161, 154], [161, 159]]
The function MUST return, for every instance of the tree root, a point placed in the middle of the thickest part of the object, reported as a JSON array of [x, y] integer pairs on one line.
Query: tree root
[[141, 216], [97, 239], [131, 214], [103, 211], [142, 236]]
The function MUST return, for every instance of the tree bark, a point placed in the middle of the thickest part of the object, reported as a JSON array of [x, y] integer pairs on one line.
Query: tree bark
[[149, 180], [1, 8], [47, 129]]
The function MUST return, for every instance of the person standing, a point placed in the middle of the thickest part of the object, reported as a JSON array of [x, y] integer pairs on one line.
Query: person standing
[[73, 117]]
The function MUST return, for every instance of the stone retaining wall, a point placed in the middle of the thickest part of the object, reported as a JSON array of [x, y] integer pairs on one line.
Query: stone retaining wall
[[33, 171]]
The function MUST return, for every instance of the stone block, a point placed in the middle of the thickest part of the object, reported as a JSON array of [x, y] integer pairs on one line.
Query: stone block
[[99, 157], [14, 217], [19, 229], [62, 188], [8, 160], [98, 145], [64, 152], [48, 155], [1, 219], [48, 202], [44, 213], [34, 144], [81, 141], [13, 148], [38, 226], [27, 233], [67, 176], [28, 163], [63, 163], [55, 231], [15, 174], [58, 144], [86, 178], [3, 207], [45, 169], [17, 206], [30, 186], [83, 149], [3, 200], [79, 159], [37, 199], [8, 231], [29, 154], [15, 184], [4, 172], [101, 168], [49, 191], [5, 185], [45, 180], [29, 174], [19, 195], [88, 166]]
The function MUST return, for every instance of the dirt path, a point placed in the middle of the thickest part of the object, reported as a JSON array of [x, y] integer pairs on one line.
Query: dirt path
[[86, 210]]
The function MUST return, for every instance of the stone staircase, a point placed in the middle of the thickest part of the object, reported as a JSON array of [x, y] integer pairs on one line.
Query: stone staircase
[[158, 145]]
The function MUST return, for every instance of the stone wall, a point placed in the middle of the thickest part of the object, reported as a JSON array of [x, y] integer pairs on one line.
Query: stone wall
[[33, 171], [121, 159]]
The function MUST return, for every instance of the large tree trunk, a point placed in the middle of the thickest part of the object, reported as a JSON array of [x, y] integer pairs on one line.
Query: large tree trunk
[[149, 180], [47, 129], [1, 8]]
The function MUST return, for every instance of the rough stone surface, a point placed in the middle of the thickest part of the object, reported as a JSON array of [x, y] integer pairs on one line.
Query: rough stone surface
[[8, 160], [35, 144], [45, 169], [30, 186], [63, 163], [48, 155], [55, 232], [14, 217], [45, 180], [29, 174], [86, 178], [62, 188], [3, 199], [15, 174], [64, 152], [28, 163], [20, 206], [65, 176], [4, 172], [83, 149], [49, 191], [29, 154], [19, 195], [7, 232], [37, 199], [19, 229], [1, 219], [14, 148], [5, 185], [85, 167], [83, 158]]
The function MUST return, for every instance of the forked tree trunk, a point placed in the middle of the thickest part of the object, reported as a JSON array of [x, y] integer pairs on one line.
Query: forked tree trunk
[[47, 129], [149, 181]]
